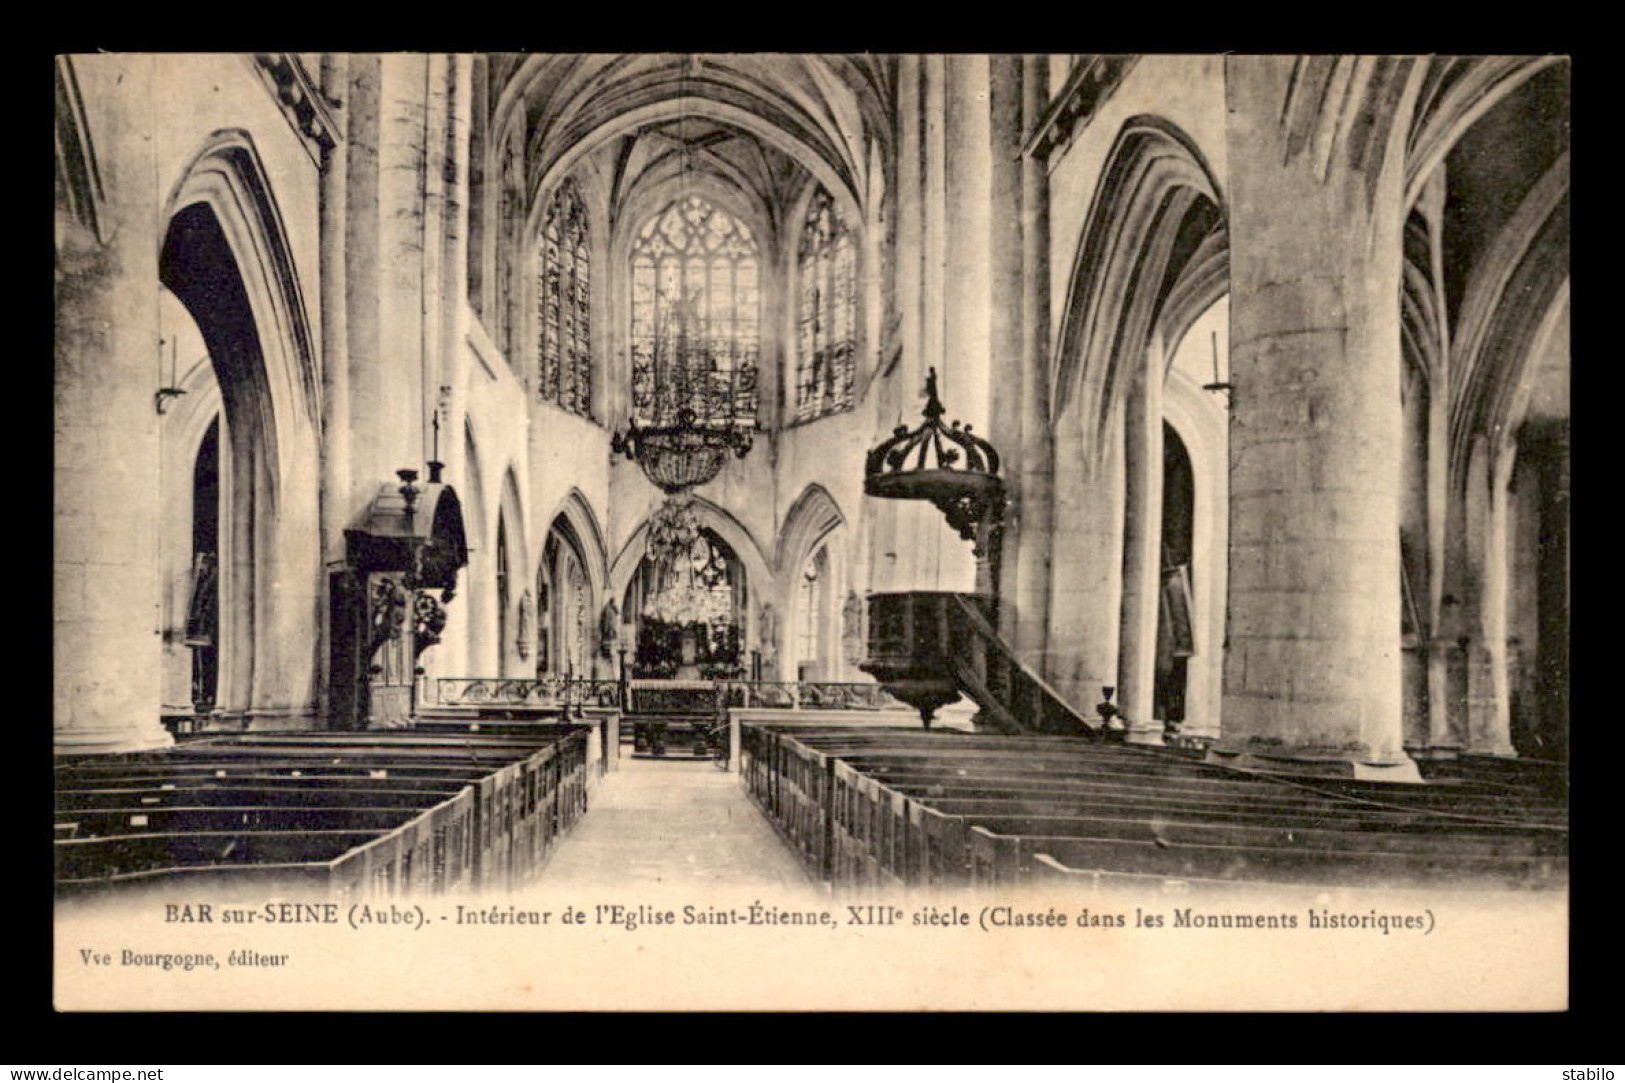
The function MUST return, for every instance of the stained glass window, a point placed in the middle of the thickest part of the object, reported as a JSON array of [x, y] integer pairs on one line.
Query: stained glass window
[[695, 315], [564, 305], [827, 341]]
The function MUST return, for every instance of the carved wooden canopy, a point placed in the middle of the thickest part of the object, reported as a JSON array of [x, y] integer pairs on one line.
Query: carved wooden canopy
[[417, 529]]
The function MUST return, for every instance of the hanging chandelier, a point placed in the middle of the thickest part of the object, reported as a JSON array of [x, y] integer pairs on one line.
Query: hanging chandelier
[[689, 408], [693, 394], [683, 454], [673, 530]]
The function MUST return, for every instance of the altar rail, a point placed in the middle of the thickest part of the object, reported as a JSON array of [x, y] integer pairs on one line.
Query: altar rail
[[652, 696], [564, 693]]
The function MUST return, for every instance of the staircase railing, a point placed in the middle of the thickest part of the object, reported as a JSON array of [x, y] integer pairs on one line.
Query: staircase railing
[[1010, 694]]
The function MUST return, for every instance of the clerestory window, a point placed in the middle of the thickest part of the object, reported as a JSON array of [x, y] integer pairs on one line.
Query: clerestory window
[[564, 303], [826, 350]]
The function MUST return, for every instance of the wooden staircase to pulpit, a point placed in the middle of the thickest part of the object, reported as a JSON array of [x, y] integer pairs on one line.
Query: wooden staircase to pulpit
[[1010, 694], [930, 647]]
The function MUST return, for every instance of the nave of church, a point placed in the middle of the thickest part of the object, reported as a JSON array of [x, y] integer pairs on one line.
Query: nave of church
[[478, 471]]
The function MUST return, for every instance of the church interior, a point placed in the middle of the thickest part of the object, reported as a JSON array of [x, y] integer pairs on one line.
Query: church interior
[[1004, 468]]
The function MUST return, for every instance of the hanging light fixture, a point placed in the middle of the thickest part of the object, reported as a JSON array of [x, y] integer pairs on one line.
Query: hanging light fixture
[[683, 454], [673, 530], [692, 423]]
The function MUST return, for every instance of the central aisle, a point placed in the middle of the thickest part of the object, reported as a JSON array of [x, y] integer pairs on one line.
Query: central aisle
[[675, 823]]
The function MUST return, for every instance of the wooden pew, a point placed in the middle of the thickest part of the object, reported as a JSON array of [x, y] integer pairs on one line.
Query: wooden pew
[[420, 813], [1005, 859], [869, 807]]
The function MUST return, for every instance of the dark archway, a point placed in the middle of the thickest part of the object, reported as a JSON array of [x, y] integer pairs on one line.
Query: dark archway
[[565, 605], [203, 612], [224, 256], [197, 265], [1176, 616]]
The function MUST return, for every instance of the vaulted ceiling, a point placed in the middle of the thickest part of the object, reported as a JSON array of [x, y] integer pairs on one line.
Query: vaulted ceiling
[[755, 122], [652, 157]]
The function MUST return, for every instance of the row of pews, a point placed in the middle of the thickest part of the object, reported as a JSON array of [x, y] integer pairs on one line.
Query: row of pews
[[865, 806], [347, 814]]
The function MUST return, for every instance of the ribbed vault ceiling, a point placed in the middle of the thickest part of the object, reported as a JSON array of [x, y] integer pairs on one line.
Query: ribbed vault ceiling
[[820, 112]]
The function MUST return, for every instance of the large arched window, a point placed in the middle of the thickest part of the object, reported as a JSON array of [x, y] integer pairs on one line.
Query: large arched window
[[564, 305], [695, 315], [827, 342]]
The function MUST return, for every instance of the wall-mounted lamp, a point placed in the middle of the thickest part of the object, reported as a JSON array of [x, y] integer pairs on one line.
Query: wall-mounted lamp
[[161, 398], [1217, 385]]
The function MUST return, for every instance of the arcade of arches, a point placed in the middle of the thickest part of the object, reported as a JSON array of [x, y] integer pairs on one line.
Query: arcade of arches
[[1274, 349]]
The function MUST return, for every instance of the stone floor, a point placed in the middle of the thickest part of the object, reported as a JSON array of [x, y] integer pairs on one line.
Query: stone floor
[[673, 823]]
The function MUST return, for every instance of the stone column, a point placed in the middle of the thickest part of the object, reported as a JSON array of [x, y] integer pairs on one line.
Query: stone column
[[1313, 671], [1142, 549], [1088, 543], [1006, 372], [107, 586], [335, 435], [1439, 647], [1027, 561], [891, 561], [966, 292], [368, 371], [966, 315], [1489, 701], [942, 561], [450, 658], [917, 550], [431, 281], [403, 105]]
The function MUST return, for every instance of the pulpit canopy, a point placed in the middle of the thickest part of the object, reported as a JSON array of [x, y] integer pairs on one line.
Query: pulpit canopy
[[412, 528]]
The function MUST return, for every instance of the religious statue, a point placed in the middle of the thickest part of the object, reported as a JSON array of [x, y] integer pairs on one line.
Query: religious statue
[[769, 639], [523, 639], [609, 629]]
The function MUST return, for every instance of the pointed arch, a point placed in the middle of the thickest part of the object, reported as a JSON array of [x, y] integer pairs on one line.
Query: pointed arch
[[576, 510], [1155, 205], [78, 179], [811, 538], [512, 505], [812, 516], [473, 489], [1455, 93], [760, 573], [228, 176], [1510, 299], [224, 254]]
